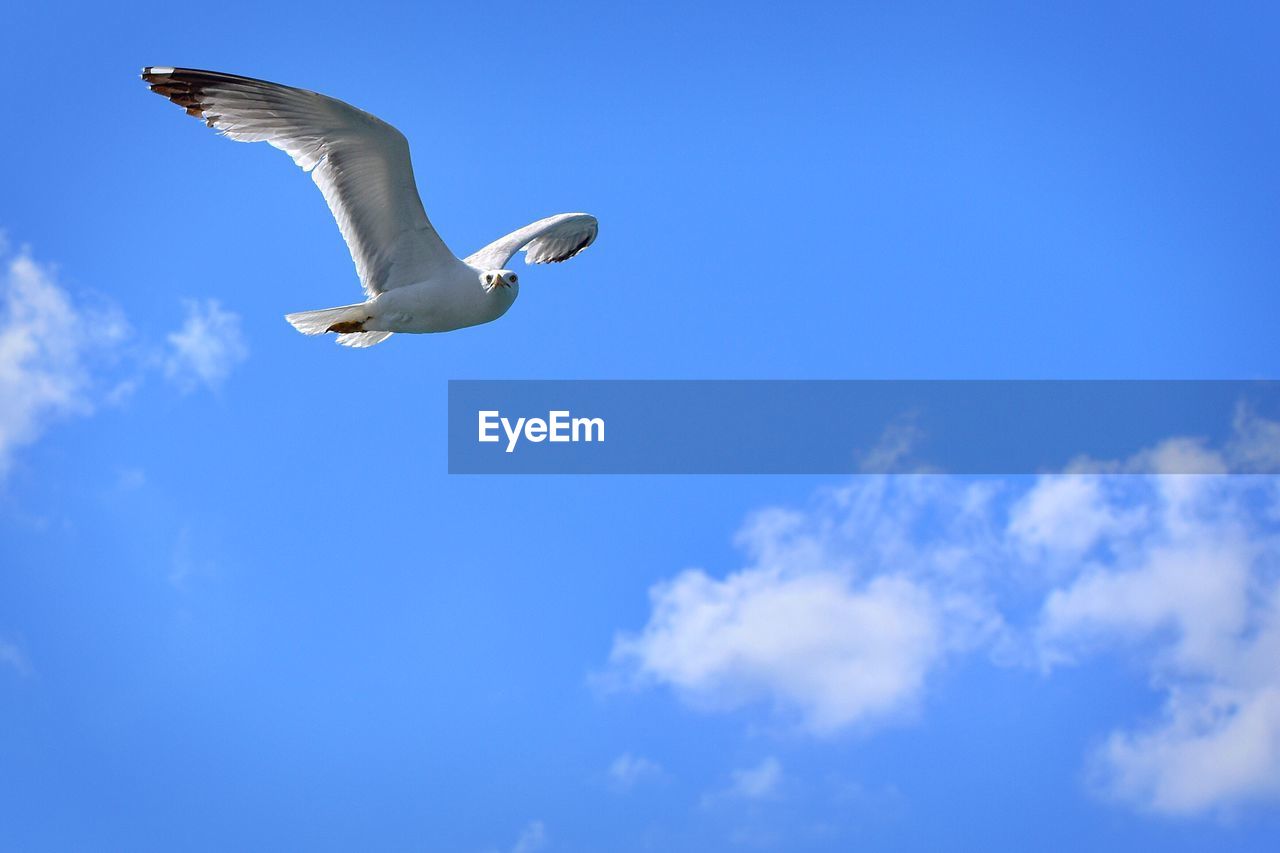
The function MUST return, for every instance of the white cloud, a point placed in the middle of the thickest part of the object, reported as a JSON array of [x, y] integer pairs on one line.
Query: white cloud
[[207, 347], [1195, 596], [844, 609], [47, 344], [61, 357], [1215, 748], [891, 454], [754, 783], [627, 769], [1255, 446], [817, 642], [1067, 514], [760, 782], [839, 617], [532, 838]]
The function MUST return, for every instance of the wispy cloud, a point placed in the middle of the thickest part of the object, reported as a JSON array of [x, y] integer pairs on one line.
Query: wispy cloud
[[47, 346], [207, 347], [189, 561], [846, 608], [532, 838], [1193, 593], [11, 655], [627, 770], [757, 783], [63, 357], [754, 783]]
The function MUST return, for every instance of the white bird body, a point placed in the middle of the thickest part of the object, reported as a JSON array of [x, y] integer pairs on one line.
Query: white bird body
[[361, 164], [452, 299]]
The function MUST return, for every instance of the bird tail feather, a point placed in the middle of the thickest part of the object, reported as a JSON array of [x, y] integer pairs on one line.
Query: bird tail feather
[[363, 339], [346, 320]]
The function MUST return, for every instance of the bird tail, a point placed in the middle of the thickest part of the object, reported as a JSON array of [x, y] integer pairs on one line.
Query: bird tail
[[346, 321], [359, 340]]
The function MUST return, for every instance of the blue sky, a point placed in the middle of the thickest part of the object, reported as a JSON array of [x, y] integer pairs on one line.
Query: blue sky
[[242, 605]]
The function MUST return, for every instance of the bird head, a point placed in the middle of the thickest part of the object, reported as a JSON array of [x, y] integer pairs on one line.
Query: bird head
[[493, 279]]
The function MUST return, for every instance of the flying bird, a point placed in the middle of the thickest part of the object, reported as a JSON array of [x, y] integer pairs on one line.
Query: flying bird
[[412, 282]]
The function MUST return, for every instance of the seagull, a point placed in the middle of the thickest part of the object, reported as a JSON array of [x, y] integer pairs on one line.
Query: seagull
[[412, 282]]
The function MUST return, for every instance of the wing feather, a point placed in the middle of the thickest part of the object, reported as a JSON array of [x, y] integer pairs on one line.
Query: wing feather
[[360, 163], [547, 241]]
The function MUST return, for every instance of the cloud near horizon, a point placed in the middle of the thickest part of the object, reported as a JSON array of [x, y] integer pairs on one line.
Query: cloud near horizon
[[844, 611]]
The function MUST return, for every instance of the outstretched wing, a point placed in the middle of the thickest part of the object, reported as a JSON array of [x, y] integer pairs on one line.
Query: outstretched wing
[[547, 241], [360, 163]]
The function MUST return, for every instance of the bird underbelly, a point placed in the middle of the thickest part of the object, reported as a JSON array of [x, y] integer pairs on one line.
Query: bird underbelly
[[426, 323], [423, 308]]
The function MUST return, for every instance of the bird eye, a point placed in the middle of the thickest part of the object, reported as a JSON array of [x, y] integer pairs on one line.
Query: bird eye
[[513, 279]]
